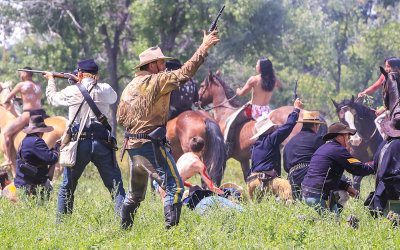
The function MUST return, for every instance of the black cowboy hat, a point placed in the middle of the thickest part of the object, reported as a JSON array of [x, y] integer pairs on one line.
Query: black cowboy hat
[[392, 127], [173, 64], [338, 128], [36, 125]]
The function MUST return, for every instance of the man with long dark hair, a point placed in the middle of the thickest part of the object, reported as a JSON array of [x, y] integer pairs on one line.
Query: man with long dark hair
[[263, 86]]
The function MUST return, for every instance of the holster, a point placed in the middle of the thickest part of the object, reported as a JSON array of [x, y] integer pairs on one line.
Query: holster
[[333, 199]]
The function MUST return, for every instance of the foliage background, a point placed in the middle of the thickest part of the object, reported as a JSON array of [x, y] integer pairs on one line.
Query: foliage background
[[333, 47]]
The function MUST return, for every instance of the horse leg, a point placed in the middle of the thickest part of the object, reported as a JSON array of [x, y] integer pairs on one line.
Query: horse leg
[[245, 168]]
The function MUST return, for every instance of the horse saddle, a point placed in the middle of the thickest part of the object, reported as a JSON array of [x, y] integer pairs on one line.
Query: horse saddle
[[242, 115]]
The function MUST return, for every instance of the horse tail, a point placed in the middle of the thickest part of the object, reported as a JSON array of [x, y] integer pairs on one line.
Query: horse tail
[[215, 152]]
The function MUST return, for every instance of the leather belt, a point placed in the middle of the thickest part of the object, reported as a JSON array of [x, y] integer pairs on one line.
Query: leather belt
[[298, 166], [137, 136]]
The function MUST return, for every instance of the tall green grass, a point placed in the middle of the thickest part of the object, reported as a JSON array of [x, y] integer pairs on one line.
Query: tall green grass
[[268, 224]]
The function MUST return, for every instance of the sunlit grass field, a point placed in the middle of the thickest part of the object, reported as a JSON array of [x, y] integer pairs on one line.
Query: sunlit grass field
[[268, 224]]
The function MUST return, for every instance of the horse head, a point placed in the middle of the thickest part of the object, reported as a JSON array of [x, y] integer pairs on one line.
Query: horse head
[[13, 107], [346, 111], [391, 94], [205, 90]]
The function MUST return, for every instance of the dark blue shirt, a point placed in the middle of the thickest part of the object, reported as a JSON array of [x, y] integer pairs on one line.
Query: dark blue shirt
[[301, 148], [266, 155], [388, 176], [327, 166], [36, 153]]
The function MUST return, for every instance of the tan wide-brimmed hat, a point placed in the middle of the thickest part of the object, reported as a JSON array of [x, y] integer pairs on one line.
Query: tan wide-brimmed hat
[[311, 117], [36, 124], [150, 55], [338, 128], [264, 126]]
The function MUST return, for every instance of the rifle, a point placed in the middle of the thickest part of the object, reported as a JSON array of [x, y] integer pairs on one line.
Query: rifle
[[69, 76], [213, 25], [295, 91]]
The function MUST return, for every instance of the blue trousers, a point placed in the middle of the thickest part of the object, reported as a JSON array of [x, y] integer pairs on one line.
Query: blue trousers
[[104, 159], [143, 157], [319, 204]]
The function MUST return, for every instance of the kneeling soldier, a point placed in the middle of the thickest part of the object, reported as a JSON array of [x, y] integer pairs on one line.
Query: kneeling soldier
[[34, 157]]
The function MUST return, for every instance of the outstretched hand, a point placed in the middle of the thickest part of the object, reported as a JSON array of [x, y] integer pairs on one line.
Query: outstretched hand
[[209, 40]]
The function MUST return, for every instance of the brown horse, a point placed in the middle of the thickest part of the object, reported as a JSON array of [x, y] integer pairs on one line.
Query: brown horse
[[199, 123], [10, 112], [214, 90]]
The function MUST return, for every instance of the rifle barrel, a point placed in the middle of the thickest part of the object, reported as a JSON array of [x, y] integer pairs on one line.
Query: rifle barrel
[[30, 70]]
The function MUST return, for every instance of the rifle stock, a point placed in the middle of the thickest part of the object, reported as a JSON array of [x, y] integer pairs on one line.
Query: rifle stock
[[68, 76]]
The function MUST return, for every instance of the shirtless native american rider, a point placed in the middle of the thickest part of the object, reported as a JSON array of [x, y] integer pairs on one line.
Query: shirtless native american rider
[[31, 95]]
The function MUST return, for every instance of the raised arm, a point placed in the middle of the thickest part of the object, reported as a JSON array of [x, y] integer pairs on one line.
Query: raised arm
[[246, 88]]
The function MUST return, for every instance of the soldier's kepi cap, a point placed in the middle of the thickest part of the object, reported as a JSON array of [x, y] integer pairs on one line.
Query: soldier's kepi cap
[[88, 66], [150, 55], [338, 128]]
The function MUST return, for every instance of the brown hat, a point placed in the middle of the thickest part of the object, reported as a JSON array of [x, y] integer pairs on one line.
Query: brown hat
[[264, 126], [311, 117], [36, 124], [338, 128], [392, 127], [150, 55]]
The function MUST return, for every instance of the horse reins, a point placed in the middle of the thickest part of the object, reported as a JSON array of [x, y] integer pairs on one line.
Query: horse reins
[[219, 105]]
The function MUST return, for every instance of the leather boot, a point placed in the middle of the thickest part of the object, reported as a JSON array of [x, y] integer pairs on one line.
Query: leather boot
[[172, 215], [127, 215]]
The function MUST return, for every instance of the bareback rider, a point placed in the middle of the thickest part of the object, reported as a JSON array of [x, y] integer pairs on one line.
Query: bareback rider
[[31, 95], [299, 150], [184, 96], [143, 111], [263, 86]]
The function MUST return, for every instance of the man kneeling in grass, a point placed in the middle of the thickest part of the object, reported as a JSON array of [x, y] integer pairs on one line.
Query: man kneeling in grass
[[266, 157], [189, 164]]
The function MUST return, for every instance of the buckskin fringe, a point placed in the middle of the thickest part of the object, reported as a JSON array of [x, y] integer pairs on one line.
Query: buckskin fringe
[[140, 106]]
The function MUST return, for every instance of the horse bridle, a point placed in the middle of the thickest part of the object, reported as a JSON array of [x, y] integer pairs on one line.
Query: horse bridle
[[363, 138], [216, 106]]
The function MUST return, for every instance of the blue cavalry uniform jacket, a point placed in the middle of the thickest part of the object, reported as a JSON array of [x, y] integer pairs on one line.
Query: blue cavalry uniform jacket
[[388, 174], [266, 153], [36, 153], [326, 169], [301, 148], [297, 156]]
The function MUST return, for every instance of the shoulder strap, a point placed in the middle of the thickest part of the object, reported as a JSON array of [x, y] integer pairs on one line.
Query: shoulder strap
[[79, 109], [100, 116]]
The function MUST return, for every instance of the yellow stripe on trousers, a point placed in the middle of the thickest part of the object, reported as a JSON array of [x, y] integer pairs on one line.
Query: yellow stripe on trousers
[[178, 190]]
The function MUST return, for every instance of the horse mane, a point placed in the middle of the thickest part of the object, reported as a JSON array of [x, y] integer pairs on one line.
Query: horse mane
[[228, 92]]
